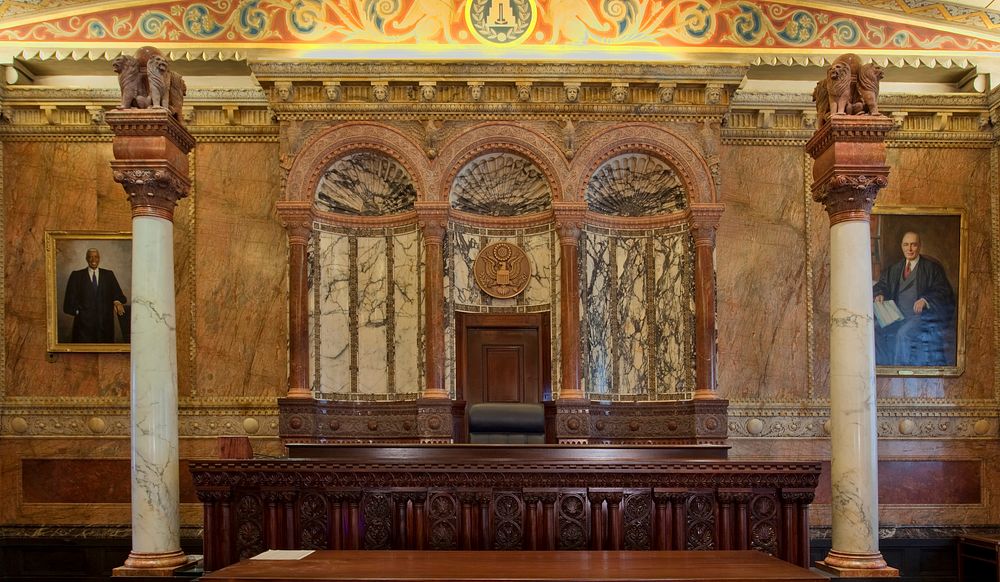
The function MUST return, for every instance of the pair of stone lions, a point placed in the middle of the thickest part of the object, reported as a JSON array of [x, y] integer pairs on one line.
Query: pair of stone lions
[[849, 88], [154, 87]]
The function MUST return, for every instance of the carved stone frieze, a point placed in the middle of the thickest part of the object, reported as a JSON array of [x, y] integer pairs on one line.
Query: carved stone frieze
[[894, 421]]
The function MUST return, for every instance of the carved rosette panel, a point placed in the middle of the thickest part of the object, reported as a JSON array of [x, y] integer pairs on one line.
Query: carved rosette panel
[[443, 514], [764, 523], [313, 513], [635, 184], [501, 184], [366, 184], [572, 519], [377, 511], [249, 526], [701, 522], [508, 520], [637, 517]]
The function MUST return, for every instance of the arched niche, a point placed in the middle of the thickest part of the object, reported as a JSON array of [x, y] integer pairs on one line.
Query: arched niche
[[365, 183], [322, 150], [501, 137], [683, 156], [635, 184], [500, 184]]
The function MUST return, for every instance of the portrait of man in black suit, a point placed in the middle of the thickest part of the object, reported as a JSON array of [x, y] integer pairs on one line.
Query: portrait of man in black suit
[[94, 299]]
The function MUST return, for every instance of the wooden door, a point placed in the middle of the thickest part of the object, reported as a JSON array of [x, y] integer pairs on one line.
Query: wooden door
[[503, 358]]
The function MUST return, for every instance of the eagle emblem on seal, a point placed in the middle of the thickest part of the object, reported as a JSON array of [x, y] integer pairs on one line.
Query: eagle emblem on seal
[[502, 270]]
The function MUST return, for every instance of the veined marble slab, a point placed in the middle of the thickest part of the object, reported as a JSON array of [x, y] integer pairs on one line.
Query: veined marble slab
[[673, 301], [371, 300], [406, 283], [334, 313], [538, 247], [631, 335], [596, 313]]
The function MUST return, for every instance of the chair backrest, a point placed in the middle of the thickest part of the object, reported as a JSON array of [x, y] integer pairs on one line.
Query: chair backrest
[[507, 423]]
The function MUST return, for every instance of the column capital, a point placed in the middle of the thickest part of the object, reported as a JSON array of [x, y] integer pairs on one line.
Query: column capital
[[570, 218], [432, 217], [150, 148], [849, 168], [704, 220], [297, 217]]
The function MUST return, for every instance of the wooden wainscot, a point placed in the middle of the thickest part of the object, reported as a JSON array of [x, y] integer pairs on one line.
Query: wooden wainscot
[[499, 497]]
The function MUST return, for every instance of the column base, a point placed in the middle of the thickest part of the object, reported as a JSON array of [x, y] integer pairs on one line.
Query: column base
[[705, 394], [847, 565], [157, 565]]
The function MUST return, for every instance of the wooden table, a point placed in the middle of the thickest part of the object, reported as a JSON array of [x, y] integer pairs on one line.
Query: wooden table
[[978, 558], [518, 566]]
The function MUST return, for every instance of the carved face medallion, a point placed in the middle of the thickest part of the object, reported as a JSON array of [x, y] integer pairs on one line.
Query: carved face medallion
[[502, 270]]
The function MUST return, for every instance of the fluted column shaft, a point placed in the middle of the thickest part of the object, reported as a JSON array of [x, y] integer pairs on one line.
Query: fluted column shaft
[[569, 225], [704, 221], [434, 224], [151, 164], [297, 218]]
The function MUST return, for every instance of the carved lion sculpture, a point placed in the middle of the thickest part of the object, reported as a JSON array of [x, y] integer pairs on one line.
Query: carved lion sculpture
[[838, 87], [868, 86], [166, 88], [134, 94], [822, 102]]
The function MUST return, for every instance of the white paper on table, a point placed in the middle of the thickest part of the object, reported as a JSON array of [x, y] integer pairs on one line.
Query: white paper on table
[[282, 555]]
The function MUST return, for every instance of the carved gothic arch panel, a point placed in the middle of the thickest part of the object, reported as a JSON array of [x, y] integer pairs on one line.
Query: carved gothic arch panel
[[339, 141], [498, 137], [683, 156]]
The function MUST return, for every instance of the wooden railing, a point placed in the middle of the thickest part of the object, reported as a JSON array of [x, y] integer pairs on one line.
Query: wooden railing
[[490, 497]]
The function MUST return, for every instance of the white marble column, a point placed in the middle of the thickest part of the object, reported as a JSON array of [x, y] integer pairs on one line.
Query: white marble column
[[854, 456], [151, 164], [155, 476], [849, 172]]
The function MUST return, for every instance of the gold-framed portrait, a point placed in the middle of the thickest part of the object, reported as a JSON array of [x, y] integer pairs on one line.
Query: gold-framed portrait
[[88, 278], [919, 282]]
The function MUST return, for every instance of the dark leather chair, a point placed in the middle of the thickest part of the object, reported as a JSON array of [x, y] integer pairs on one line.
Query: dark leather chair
[[506, 423]]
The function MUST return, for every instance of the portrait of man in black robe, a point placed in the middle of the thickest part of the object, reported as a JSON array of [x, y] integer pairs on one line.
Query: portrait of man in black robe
[[94, 299]]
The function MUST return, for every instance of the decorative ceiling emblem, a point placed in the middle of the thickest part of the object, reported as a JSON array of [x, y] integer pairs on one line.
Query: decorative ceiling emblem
[[366, 184], [502, 270], [501, 185], [635, 185], [502, 22]]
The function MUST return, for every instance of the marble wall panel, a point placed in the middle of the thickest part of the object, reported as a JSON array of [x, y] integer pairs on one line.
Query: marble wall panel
[[333, 368], [371, 315], [539, 248], [465, 249], [408, 310], [673, 307], [242, 273], [54, 186], [595, 314], [630, 337], [760, 258]]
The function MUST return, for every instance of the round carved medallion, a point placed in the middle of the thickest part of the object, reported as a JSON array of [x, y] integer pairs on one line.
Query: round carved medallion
[[502, 270]]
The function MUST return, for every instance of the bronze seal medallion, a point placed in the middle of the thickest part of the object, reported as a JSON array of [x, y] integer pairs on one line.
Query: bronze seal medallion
[[502, 270]]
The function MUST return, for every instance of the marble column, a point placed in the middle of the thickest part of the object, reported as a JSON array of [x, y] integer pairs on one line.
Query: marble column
[[569, 225], [297, 219], [433, 220], [704, 222], [150, 148], [848, 174]]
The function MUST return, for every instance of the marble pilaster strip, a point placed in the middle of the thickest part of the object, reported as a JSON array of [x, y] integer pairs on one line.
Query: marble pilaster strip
[[614, 323], [555, 306], [390, 316], [652, 329], [352, 294], [316, 281], [807, 171]]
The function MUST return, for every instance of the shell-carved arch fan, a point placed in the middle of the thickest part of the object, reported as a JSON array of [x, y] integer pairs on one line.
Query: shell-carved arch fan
[[501, 184], [366, 184], [635, 184]]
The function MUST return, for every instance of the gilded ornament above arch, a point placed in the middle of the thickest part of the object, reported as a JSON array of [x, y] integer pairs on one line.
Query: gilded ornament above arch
[[324, 148], [687, 159], [500, 137]]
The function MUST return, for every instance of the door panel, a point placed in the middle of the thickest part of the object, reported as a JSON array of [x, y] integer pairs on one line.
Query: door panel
[[503, 358]]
